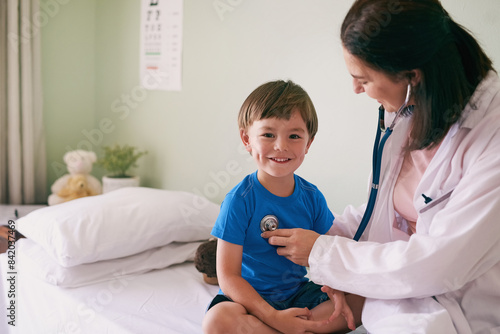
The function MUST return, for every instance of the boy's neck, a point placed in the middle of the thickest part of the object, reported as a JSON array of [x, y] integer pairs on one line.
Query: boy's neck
[[278, 186]]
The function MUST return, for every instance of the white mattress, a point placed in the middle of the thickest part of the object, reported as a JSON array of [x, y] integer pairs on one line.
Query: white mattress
[[172, 300]]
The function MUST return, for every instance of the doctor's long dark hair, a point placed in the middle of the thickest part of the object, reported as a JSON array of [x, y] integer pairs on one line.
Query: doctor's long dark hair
[[396, 37]]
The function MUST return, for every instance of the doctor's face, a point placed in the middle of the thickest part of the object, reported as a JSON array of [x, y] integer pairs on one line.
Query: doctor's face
[[377, 85]]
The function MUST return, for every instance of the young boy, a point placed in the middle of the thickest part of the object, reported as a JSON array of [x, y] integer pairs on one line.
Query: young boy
[[261, 291]]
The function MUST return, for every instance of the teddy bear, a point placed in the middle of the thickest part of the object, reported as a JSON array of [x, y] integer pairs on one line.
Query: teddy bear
[[76, 187], [78, 183], [205, 261]]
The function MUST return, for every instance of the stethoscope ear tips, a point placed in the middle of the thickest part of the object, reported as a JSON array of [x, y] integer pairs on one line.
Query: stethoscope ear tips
[[269, 223]]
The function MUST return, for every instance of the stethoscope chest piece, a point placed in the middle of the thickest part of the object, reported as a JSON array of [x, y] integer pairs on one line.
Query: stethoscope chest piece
[[269, 223]]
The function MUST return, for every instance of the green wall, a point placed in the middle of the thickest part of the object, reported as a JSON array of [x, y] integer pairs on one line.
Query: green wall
[[92, 95], [69, 77]]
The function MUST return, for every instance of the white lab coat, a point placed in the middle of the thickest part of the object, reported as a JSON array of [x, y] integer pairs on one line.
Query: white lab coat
[[454, 254]]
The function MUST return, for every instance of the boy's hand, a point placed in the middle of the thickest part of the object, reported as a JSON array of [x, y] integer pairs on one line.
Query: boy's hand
[[341, 306], [295, 321]]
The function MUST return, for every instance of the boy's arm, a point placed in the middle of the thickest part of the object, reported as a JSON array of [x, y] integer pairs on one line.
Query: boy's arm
[[229, 257]]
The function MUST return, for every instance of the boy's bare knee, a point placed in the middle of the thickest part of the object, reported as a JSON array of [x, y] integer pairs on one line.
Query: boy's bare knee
[[222, 318]]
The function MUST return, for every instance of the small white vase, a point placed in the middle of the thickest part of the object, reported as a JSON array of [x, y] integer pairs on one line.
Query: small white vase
[[113, 183]]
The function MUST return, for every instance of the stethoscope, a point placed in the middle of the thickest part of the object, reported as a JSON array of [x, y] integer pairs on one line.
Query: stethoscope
[[270, 222], [378, 148]]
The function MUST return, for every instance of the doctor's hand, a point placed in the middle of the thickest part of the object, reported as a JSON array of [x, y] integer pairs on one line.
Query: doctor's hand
[[341, 307], [294, 244]]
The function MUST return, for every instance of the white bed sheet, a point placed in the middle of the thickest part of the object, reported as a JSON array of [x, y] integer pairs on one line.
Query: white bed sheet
[[171, 300]]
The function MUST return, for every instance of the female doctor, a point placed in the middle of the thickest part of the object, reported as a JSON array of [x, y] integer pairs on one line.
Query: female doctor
[[429, 259]]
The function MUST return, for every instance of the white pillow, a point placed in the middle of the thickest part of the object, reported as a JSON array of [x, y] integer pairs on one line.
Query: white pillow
[[36, 262], [119, 223]]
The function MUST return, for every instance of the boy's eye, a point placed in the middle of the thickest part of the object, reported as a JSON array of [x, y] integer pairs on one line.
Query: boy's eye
[[294, 137], [268, 135]]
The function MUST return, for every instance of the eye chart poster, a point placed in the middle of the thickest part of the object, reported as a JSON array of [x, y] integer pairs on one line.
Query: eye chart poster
[[161, 44]]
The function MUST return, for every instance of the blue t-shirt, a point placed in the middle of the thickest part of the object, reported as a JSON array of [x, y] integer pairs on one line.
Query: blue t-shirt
[[273, 276]]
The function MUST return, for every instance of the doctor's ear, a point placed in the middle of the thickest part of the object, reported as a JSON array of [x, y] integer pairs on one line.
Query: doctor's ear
[[414, 77]]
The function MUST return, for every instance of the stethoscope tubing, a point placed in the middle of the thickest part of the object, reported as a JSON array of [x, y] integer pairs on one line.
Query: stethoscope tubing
[[378, 148]]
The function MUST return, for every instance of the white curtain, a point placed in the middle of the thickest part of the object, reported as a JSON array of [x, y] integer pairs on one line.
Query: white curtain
[[22, 140]]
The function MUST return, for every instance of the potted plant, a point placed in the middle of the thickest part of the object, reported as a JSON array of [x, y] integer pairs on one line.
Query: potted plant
[[117, 160]]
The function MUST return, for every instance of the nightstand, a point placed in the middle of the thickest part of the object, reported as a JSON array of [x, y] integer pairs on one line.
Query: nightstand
[[12, 212]]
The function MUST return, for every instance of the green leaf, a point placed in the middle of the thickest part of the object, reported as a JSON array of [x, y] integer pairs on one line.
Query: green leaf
[[117, 159]]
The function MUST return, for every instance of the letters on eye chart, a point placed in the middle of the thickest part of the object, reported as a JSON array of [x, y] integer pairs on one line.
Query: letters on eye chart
[[161, 44]]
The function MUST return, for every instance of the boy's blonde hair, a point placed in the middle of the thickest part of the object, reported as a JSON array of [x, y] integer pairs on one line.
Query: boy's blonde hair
[[278, 99]]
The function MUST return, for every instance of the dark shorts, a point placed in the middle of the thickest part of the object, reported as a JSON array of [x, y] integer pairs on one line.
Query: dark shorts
[[309, 295]]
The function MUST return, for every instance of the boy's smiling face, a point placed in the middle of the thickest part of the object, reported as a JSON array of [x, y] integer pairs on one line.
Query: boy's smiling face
[[278, 146]]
